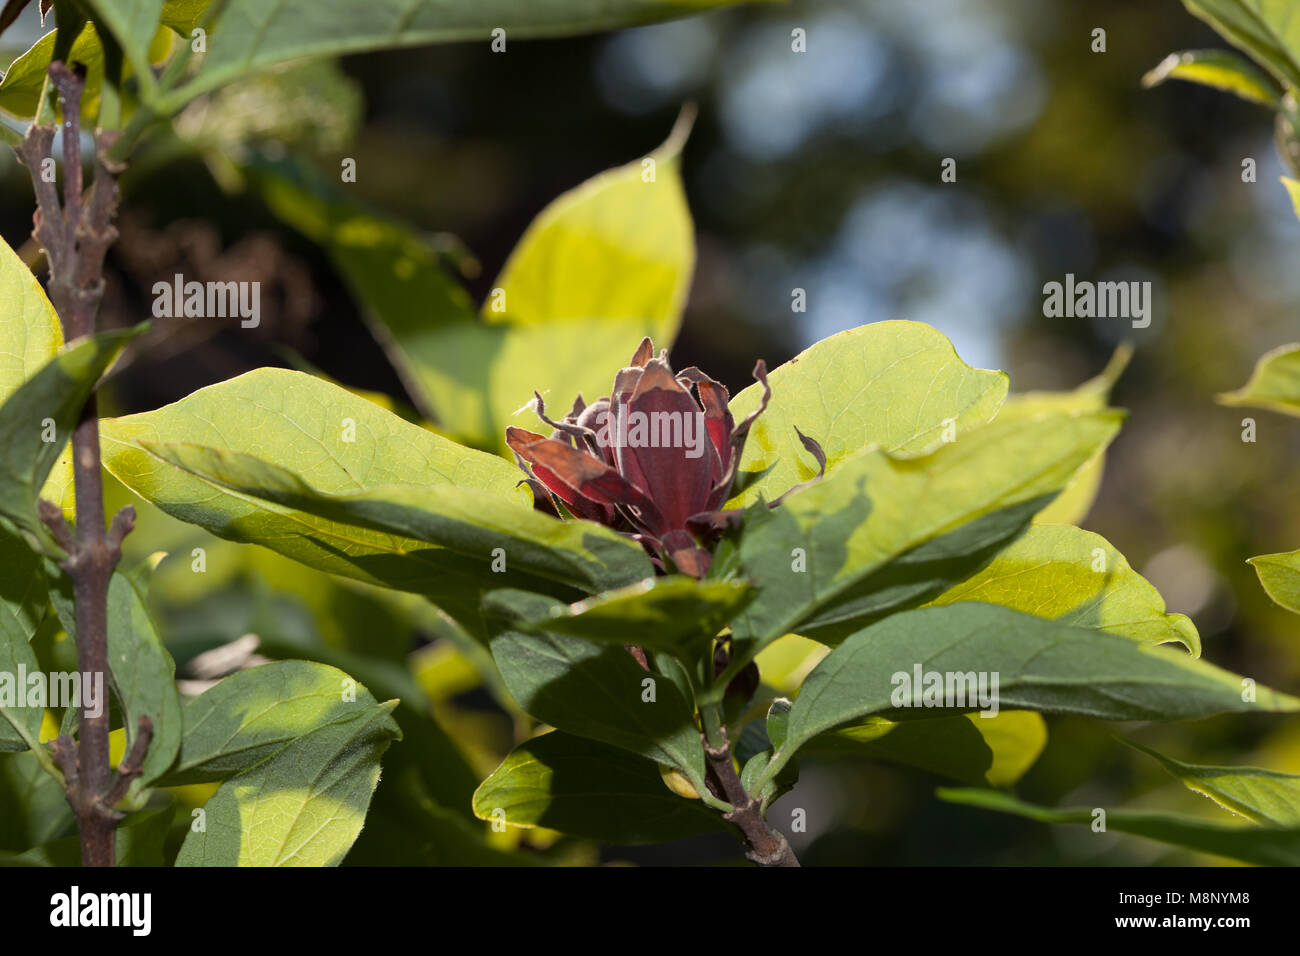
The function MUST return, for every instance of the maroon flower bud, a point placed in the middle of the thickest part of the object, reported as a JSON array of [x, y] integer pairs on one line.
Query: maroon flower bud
[[655, 459]]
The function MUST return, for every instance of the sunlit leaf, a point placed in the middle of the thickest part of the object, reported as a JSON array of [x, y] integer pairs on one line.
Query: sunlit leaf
[[302, 807], [898, 385], [1266, 797], [1076, 577], [1220, 69], [1274, 384], [1280, 576]]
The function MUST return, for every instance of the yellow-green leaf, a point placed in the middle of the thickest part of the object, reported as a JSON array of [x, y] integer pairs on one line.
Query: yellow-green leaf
[[1280, 576], [1266, 797], [1074, 576], [1220, 69], [1274, 384], [897, 385]]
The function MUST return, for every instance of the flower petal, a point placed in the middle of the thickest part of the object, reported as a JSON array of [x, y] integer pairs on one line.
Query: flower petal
[[656, 457], [561, 466]]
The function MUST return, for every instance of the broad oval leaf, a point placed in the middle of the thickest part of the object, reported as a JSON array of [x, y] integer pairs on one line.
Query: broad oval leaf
[[599, 692], [251, 35], [303, 423], [302, 807], [589, 789], [1039, 665], [1274, 384], [883, 533], [1076, 577], [1280, 576], [474, 526], [253, 714], [896, 385]]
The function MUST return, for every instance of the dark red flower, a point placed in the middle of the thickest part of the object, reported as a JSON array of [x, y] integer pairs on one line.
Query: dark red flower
[[656, 459]]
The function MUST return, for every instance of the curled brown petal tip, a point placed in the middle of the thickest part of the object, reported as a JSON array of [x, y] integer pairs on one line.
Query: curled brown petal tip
[[644, 352]]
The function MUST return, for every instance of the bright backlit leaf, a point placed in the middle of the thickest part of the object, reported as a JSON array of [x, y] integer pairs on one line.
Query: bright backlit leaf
[[897, 385]]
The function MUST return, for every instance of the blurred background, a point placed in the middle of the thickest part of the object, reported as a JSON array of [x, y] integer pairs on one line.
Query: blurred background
[[817, 170]]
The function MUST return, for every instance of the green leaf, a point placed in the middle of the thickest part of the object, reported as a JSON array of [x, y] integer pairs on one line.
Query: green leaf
[[896, 385], [1280, 576], [20, 89], [882, 533], [1220, 69], [135, 23], [141, 669], [250, 716], [418, 312], [302, 807], [23, 595], [778, 722], [476, 528], [1040, 665], [1076, 577], [49, 402], [1072, 505], [302, 423], [1265, 846], [251, 35], [676, 615], [33, 807], [1274, 384], [594, 691], [1266, 797], [601, 267], [591, 790], [139, 842], [33, 335], [20, 725], [1268, 30], [996, 751]]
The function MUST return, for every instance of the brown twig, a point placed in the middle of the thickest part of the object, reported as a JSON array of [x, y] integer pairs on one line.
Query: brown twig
[[767, 846], [131, 766], [76, 236]]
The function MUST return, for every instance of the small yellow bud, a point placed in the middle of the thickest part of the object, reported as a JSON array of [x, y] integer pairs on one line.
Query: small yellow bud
[[676, 781]]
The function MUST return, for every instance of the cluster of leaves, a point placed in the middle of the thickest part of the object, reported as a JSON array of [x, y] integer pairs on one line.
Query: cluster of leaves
[[918, 547], [284, 757], [1269, 31]]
